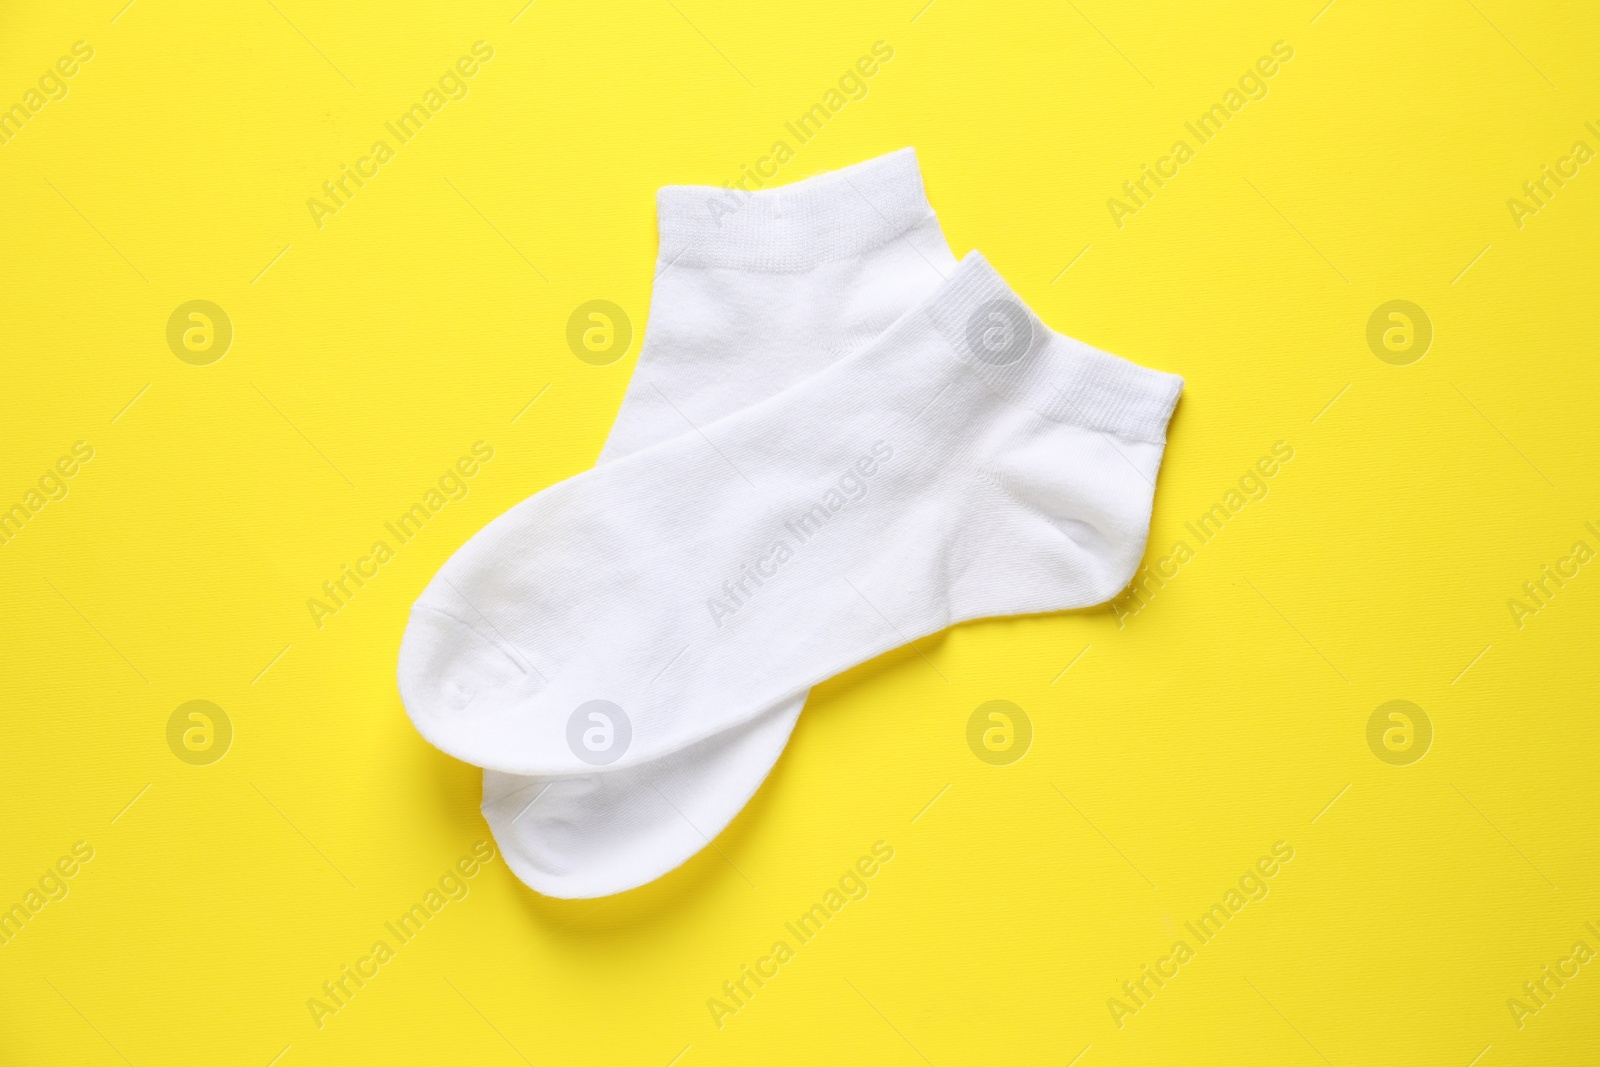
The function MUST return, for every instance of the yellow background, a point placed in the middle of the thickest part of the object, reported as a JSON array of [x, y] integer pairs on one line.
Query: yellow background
[[1228, 714]]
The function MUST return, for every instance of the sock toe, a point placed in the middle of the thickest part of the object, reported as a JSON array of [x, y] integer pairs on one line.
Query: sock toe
[[597, 834], [446, 666]]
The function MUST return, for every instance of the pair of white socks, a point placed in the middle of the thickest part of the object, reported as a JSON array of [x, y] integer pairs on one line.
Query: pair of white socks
[[837, 440]]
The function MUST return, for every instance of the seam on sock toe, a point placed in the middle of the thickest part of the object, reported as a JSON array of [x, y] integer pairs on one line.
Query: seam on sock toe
[[449, 687], [515, 656]]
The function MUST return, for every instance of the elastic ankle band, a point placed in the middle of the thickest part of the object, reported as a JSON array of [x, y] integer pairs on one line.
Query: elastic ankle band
[[793, 227], [1002, 341]]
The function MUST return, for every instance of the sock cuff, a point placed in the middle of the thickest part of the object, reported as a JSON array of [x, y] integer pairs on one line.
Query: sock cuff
[[796, 226], [995, 334]]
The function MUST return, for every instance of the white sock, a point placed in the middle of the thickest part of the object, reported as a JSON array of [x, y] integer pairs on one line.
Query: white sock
[[753, 293], [969, 462]]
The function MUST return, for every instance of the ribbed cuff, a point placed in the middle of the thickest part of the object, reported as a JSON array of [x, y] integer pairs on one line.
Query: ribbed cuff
[[999, 339], [793, 227]]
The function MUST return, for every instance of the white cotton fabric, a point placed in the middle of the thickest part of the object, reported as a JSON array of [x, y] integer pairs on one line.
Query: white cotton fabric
[[827, 451]]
